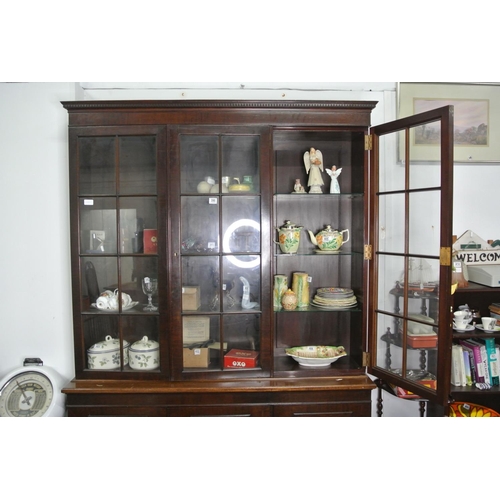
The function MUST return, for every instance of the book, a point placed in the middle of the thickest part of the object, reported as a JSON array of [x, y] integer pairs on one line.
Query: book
[[467, 368], [457, 366], [476, 349], [491, 355], [472, 365]]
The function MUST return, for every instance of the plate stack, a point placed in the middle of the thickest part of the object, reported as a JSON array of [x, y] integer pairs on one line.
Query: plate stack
[[334, 298]]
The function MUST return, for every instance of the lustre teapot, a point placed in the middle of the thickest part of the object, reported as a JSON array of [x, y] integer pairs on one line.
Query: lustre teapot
[[289, 237], [329, 240]]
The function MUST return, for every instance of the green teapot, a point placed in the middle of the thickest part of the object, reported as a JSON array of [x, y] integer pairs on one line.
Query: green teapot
[[329, 240]]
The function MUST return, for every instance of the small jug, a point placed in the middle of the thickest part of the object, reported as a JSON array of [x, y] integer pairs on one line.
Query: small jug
[[289, 237]]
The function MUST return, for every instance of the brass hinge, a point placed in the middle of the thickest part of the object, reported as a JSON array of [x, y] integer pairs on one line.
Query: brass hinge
[[445, 256], [368, 252], [368, 142], [366, 358]]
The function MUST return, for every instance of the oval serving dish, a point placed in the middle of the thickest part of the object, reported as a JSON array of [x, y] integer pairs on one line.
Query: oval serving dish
[[316, 356]]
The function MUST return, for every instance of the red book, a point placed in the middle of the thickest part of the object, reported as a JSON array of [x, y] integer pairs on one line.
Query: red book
[[150, 241]]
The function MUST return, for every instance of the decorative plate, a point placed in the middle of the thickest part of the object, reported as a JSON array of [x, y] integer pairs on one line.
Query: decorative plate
[[459, 409], [316, 356]]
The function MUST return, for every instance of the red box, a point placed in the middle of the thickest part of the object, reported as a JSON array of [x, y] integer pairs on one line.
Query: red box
[[241, 358], [403, 393], [422, 341], [150, 241]]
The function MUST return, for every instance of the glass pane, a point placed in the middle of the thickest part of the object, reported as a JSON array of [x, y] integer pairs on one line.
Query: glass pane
[[392, 157], [97, 165], [241, 282], [98, 274], [201, 342], [199, 224], [96, 327], [392, 223], [425, 232], [98, 225], [242, 331], [199, 163], [201, 287], [240, 161], [135, 328], [138, 165], [132, 271], [390, 287], [138, 225], [241, 224]]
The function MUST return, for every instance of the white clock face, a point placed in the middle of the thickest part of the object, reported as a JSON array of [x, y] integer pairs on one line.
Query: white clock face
[[27, 394]]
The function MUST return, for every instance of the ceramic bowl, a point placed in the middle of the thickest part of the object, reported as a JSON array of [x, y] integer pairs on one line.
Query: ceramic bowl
[[105, 355], [316, 356], [144, 354]]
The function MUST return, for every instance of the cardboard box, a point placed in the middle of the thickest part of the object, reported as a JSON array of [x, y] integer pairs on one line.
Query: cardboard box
[[195, 329], [198, 357], [191, 298], [241, 358], [150, 241]]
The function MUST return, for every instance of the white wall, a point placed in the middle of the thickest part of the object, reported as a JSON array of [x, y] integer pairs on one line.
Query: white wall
[[35, 303]]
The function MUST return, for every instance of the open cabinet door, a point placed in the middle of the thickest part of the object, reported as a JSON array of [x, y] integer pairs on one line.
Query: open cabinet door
[[410, 234]]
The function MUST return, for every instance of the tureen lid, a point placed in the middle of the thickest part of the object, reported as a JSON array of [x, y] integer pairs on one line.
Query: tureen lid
[[108, 345], [145, 345]]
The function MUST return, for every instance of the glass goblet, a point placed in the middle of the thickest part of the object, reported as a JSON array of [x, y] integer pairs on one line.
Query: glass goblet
[[149, 287]]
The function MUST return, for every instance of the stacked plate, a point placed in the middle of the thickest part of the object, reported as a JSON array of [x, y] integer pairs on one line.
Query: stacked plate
[[334, 298]]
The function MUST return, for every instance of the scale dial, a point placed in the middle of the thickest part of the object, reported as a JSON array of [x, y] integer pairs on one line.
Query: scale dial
[[27, 394], [32, 391]]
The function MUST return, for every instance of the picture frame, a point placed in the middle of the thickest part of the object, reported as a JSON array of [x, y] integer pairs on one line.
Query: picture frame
[[476, 119]]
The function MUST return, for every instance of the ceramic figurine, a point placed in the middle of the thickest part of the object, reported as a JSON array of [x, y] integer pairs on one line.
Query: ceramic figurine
[[334, 173], [298, 187], [245, 301], [313, 161]]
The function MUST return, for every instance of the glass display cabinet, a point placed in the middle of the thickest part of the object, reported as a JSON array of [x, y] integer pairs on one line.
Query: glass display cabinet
[[177, 210]]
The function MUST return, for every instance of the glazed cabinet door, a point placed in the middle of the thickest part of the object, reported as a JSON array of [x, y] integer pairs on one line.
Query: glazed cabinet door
[[319, 224], [410, 269], [118, 268], [220, 251]]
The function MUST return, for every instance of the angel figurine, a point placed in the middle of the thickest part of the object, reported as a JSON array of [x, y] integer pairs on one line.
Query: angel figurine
[[313, 161], [334, 172]]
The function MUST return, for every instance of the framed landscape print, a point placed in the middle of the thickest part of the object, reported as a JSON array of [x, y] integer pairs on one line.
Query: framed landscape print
[[476, 119]]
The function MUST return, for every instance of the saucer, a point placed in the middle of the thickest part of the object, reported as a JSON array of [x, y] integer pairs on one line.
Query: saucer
[[326, 252], [496, 329], [468, 328]]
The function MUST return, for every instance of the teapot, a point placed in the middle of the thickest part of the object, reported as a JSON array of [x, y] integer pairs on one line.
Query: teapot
[[289, 237], [328, 239]]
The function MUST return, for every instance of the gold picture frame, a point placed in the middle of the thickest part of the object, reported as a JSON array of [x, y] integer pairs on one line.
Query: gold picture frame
[[476, 119]]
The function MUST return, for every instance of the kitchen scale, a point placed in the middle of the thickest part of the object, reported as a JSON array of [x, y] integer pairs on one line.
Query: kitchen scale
[[488, 274]]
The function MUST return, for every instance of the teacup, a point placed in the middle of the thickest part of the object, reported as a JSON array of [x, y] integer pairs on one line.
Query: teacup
[[462, 316], [489, 323], [460, 324]]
